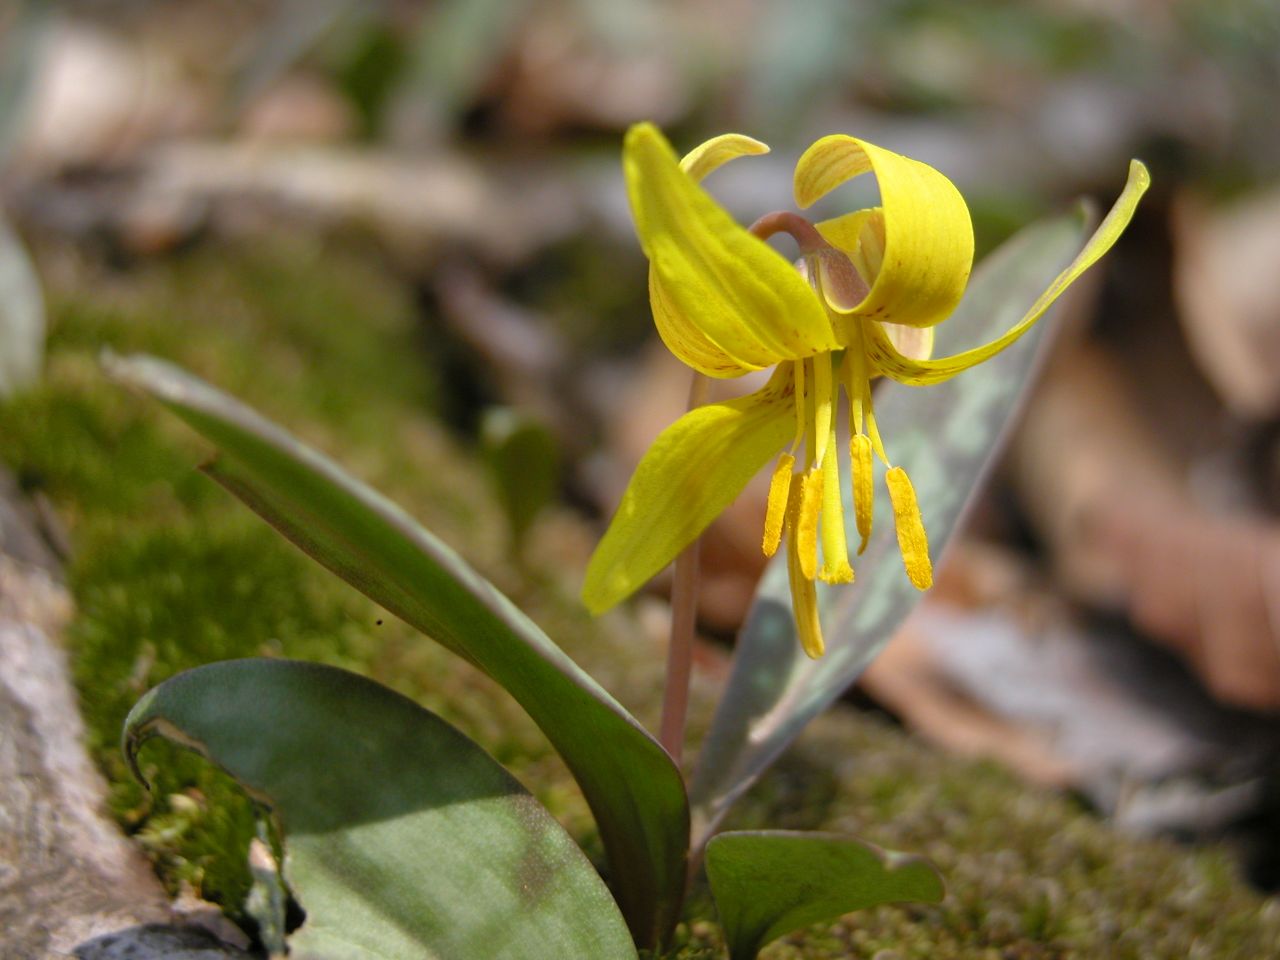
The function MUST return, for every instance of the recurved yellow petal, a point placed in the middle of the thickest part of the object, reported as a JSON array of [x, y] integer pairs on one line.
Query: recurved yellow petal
[[690, 474], [890, 361], [928, 236], [717, 284], [913, 342], [860, 237], [712, 154], [685, 340], [681, 337]]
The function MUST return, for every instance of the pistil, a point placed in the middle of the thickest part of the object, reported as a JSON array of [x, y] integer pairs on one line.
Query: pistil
[[805, 234]]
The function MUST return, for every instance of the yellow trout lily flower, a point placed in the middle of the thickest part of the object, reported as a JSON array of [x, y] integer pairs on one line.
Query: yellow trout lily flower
[[861, 302]]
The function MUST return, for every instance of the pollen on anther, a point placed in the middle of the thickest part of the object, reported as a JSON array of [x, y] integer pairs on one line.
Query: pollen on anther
[[860, 453], [776, 512], [910, 526], [806, 532]]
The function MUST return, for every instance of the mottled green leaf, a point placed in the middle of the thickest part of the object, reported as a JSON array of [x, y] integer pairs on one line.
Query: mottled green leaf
[[633, 788], [767, 883], [945, 437], [403, 839]]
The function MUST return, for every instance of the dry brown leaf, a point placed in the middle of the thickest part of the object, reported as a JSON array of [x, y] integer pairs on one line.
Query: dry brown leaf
[[1126, 534], [907, 679], [1227, 284]]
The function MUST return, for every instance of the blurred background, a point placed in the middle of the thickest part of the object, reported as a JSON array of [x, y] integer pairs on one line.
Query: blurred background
[[1110, 621]]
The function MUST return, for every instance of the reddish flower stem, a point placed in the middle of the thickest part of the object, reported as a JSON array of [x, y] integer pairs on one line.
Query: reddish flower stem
[[684, 617]]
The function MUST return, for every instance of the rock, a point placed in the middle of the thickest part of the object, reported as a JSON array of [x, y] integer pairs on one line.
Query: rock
[[157, 942], [67, 875]]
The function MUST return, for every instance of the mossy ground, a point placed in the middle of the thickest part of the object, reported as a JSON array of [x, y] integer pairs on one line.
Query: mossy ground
[[169, 572]]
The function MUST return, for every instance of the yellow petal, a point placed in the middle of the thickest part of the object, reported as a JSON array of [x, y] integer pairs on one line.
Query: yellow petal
[[911, 536], [685, 340], [730, 289], [913, 342], [681, 337], [893, 363], [860, 237], [928, 236], [690, 474], [776, 511], [712, 154]]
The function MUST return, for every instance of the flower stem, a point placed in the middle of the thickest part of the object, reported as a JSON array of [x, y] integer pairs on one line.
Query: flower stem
[[684, 615]]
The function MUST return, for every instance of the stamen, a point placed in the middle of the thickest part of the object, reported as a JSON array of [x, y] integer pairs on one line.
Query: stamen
[[855, 377], [821, 406], [863, 486], [835, 550], [776, 513], [910, 526], [801, 419], [805, 530], [804, 595], [810, 438], [873, 431]]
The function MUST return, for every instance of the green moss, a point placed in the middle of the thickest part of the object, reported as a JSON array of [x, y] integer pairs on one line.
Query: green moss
[[168, 571], [1030, 873]]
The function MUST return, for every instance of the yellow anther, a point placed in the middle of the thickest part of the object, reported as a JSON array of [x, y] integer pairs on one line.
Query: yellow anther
[[863, 486], [911, 537], [805, 528], [776, 513], [835, 551]]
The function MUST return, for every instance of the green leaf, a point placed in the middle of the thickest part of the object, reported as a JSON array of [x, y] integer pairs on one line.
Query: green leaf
[[946, 437], [635, 792], [767, 883], [522, 457], [402, 837]]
